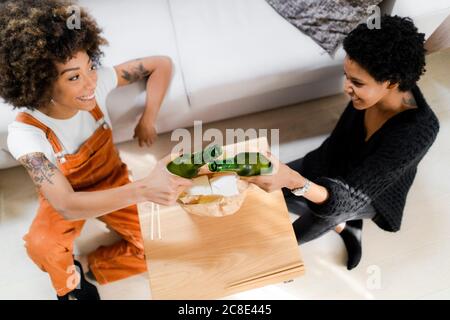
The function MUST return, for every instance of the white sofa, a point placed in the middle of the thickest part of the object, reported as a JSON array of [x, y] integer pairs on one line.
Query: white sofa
[[231, 57]]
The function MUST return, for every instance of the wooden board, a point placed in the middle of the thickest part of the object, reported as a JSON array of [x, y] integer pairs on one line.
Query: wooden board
[[208, 258]]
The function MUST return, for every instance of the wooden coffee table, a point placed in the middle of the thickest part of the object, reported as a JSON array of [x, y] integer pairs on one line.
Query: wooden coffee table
[[209, 257]]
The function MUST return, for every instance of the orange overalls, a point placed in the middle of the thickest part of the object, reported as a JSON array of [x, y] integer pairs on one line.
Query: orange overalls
[[49, 242]]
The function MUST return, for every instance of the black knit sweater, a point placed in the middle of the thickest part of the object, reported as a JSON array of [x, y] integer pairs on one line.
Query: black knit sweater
[[378, 172]]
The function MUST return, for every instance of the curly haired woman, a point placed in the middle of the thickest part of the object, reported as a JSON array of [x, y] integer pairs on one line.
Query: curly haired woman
[[62, 136], [366, 167]]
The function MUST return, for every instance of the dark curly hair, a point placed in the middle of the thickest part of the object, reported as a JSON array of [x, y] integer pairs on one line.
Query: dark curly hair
[[395, 52], [34, 35]]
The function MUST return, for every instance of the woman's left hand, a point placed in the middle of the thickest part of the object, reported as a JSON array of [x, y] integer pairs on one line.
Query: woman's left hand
[[282, 176], [145, 132]]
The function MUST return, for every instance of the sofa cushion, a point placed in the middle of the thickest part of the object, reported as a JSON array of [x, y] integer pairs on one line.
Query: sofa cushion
[[233, 49]]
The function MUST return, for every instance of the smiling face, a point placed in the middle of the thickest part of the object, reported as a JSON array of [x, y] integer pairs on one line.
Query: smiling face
[[362, 88], [75, 87]]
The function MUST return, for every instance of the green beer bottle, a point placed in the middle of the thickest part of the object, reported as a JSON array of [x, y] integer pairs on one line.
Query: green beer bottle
[[244, 164], [188, 165]]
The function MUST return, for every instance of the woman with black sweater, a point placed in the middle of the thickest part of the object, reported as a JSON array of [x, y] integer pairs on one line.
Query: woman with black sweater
[[366, 167]]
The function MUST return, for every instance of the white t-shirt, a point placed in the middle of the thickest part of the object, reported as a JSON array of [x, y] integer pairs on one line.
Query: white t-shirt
[[72, 133]]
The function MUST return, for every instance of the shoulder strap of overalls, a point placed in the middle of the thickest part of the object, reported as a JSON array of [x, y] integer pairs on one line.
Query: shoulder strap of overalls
[[96, 113]]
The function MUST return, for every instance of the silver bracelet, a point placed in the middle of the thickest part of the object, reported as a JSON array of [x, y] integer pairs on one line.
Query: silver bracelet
[[300, 192]]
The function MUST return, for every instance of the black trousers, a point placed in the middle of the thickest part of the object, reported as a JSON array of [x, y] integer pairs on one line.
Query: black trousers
[[309, 226]]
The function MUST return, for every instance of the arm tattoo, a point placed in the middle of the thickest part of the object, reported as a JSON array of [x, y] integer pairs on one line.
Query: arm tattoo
[[39, 168], [409, 101], [138, 73]]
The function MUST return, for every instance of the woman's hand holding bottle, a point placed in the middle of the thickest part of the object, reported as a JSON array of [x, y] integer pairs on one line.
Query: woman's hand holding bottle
[[280, 177], [163, 187]]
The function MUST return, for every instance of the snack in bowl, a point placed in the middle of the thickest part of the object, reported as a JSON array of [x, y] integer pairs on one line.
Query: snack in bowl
[[214, 195]]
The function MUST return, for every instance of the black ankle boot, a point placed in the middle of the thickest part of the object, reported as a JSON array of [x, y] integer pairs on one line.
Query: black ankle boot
[[87, 290], [352, 239]]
